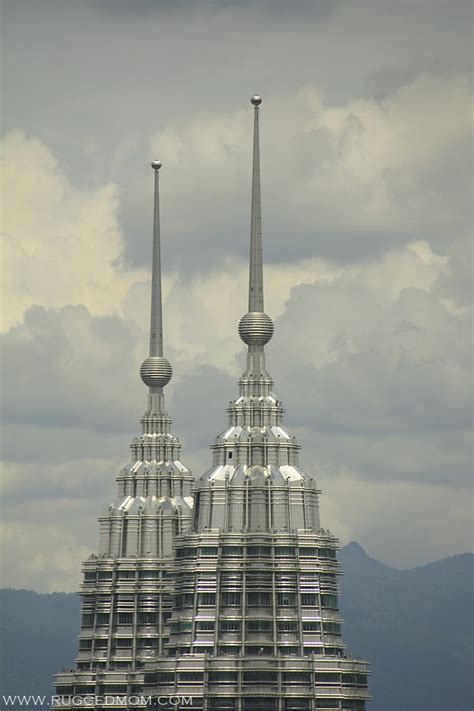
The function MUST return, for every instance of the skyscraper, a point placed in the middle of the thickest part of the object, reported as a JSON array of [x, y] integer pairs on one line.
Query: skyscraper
[[246, 612], [128, 588]]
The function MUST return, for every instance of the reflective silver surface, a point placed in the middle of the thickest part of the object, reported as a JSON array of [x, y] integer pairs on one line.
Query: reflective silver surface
[[234, 603]]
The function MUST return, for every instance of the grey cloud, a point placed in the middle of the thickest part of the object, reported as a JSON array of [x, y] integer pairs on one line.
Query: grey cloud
[[376, 386], [97, 108], [68, 369], [393, 398], [456, 281]]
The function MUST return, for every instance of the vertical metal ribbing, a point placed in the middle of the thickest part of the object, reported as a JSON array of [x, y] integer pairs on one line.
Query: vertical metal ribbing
[[156, 317], [135, 623], [256, 267]]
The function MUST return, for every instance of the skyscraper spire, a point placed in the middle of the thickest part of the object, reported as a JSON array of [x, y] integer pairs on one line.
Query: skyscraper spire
[[256, 328], [235, 605], [256, 266], [156, 319], [156, 370]]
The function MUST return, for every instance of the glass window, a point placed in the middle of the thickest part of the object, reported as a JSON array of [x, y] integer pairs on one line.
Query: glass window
[[185, 600], [287, 626], [264, 551], [258, 650], [259, 626], [147, 642], [327, 553], [286, 599], [329, 602], [328, 578], [222, 676], [229, 626], [228, 551], [222, 704], [260, 703], [205, 625], [229, 649], [124, 643], [191, 676], [208, 550], [186, 552], [309, 600], [260, 677], [332, 627], [125, 618], [308, 552], [296, 677], [327, 678], [161, 677], [311, 626], [284, 551], [231, 599], [148, 618], [289, 651], [115, 689], [258, 599], [206, 599]]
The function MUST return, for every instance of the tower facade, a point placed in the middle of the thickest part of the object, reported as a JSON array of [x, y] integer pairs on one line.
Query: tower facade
[[245, 593], [128, 587]]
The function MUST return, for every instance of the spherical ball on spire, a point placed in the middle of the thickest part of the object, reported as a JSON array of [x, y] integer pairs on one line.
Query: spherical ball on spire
[[156, 372], [256, 100], [255, 328], [156, 164]]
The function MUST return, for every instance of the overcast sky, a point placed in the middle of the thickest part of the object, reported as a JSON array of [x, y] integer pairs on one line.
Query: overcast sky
[[366, 140]]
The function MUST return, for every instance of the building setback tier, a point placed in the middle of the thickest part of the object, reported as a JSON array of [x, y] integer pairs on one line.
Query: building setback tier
[[224, 598]]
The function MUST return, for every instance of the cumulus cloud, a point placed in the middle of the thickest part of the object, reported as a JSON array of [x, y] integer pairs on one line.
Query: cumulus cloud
[[348, 181], [44, 558], [426, 522], [60, 245], [367, 222]]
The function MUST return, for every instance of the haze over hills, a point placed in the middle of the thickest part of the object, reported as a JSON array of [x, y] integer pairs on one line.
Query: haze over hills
[[415, 626]]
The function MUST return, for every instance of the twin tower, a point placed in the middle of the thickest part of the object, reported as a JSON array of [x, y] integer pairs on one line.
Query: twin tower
[[220, 593]]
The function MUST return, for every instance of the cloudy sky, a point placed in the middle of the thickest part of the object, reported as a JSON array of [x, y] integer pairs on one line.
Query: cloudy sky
[[366, 177]]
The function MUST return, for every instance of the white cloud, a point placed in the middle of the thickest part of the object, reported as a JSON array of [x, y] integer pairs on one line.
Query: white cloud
[[371, 353], [403, 523], [45, 558], [61, 245], [347, 180]]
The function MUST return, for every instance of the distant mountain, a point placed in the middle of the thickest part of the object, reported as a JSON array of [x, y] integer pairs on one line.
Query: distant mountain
[[37, 638], [415, 626]]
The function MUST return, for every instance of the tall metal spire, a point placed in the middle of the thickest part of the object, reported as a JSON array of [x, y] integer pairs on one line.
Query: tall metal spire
[[156, 320], [256, 266], [156, 370], [256, 328]]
